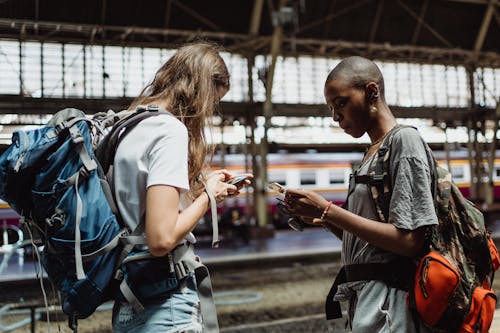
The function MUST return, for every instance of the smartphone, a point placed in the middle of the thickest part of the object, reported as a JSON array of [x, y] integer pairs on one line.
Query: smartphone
[[277, 188], [238, 180]]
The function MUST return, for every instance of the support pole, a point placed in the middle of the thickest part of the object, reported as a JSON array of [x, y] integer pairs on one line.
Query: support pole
[[250, 141], [490, 190], [276, 41], [475, 151]]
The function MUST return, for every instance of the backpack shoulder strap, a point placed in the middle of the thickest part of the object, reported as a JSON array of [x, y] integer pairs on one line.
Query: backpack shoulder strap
[[379, 176], [106, 150]]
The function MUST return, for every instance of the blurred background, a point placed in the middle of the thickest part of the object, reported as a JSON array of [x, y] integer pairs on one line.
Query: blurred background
[[441, 64]]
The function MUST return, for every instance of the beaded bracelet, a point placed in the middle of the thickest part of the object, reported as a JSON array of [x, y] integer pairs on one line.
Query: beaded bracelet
[[323, 215]]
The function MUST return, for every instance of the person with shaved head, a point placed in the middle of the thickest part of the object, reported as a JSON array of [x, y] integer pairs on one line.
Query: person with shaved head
[[378, 254]]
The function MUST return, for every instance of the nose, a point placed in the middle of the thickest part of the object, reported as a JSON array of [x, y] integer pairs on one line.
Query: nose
[[336, 116]]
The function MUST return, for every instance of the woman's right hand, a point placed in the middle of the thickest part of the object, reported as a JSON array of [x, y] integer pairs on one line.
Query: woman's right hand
[[216, 184], [307, 204]]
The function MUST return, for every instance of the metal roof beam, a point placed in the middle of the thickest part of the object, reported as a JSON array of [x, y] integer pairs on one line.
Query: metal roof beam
[[240, 43], [376, 20], [477, 2], [103, 11], [197, 16], [416, 33], [329, 17], [422, 22], [485, 25], [401, 53], [86, 29], [329, 23], [256, 17], [14, 104]]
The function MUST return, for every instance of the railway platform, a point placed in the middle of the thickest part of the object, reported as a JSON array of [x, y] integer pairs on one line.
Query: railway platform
[[311, 245], [284, 246]]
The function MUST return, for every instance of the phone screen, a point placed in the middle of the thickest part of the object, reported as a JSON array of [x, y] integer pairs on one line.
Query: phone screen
[[237, 180], [277, 188]]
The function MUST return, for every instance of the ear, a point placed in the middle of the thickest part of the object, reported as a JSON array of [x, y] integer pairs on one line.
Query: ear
[[372, 92]]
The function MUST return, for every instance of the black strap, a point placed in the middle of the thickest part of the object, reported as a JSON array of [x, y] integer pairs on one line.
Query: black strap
[[396, 274], [378, 175], [106, 150], [380, 170]]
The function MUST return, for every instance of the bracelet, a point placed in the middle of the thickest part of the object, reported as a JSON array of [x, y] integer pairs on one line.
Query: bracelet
[[323, 215]]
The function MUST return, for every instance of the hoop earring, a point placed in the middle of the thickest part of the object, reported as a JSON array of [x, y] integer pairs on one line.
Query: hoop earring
[[373, 109]]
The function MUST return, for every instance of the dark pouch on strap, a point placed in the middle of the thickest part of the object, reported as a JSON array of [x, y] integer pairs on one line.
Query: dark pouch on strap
[[151, 279]]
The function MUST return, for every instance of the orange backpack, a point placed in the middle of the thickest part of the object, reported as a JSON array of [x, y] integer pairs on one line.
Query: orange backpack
[[452, 289]]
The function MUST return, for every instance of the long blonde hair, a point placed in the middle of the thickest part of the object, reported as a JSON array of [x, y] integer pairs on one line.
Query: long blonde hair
[[187, 84]]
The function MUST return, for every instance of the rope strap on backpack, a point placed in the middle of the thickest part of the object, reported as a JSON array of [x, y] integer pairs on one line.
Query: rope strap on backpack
[[213, 210]]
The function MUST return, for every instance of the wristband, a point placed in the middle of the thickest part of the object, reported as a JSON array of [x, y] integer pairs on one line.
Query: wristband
[[323, 215], [213, 209]]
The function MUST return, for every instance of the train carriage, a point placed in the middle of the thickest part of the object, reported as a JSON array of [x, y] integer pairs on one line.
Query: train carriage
[[326, 173]]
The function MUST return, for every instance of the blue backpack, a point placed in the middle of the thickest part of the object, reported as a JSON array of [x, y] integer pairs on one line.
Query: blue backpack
[[53, 179]]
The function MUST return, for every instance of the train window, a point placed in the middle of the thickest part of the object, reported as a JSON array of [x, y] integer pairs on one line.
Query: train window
[[457, 171], [497, 171], [277, 177], [308, 177], [337, 177]]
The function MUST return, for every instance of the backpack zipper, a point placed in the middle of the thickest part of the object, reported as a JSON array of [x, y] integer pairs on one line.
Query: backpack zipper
[[423, 277], [424, 274]]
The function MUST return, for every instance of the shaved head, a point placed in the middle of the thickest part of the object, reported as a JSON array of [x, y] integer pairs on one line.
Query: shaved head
[[357, 72]]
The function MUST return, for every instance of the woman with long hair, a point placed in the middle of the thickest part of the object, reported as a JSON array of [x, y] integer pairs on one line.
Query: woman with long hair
[[159, 180]]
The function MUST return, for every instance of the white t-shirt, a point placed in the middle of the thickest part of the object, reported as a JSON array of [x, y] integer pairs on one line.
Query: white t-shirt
[[155, 152]]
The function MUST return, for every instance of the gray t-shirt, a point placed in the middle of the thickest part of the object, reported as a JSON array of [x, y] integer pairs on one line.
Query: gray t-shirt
[[373, 306], [411, 203]]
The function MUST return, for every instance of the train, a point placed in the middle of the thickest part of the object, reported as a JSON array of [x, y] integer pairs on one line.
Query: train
[[326, 173]]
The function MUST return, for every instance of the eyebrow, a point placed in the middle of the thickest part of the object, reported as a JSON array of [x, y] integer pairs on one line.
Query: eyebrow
[[338, 97]]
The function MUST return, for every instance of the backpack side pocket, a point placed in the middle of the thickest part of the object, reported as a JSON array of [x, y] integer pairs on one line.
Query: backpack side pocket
[[435, 282], [481, 311]]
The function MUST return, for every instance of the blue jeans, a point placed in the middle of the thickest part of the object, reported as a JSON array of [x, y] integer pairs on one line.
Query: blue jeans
[[178, 313]]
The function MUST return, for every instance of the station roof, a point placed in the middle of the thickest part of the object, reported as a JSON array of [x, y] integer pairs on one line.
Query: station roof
[[424, 31], [449, 32]]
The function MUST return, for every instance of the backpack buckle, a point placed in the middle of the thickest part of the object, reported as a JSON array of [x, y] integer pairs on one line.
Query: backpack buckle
[[60, 127], [181, 270], [153, 108], [76, 136], [382, 151], [119, 275], [56, 221], [374, 179]]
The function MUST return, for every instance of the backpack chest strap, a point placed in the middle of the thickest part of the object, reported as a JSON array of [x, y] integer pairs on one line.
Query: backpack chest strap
[[374, 180]]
